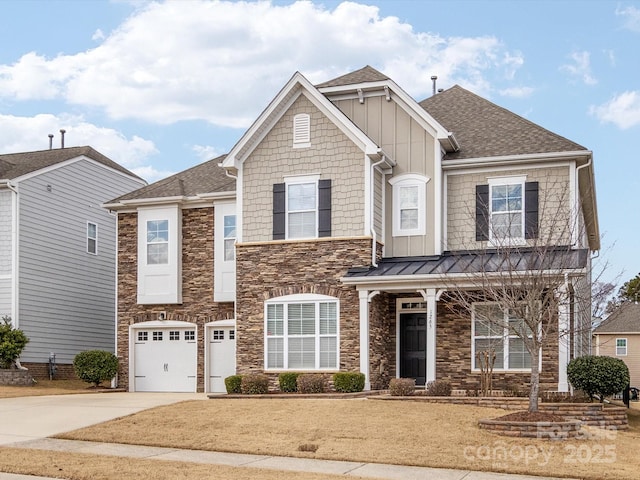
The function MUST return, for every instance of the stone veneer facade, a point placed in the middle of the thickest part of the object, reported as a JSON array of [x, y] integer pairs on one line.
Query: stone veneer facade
[[197, 304]]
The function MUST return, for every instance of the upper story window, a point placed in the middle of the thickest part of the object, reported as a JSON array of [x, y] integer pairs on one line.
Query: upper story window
[[157, 242], [507, 210], [501, 333], [301, 332], [621, 347], [302, 208], [229, 237], [409, 204], [301, 130], [92, 238]]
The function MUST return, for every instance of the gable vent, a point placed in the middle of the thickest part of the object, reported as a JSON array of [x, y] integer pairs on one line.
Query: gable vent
[[301, 130]]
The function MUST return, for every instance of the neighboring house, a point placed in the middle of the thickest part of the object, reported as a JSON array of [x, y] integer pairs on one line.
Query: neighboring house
[[353, 211], [619, 336], [58, 251]]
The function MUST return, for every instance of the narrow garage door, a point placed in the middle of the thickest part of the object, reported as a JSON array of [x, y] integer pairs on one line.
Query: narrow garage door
[[165, 360], [222, 357]]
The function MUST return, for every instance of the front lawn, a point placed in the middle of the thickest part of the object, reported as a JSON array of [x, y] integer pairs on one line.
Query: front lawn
[[47, 387]]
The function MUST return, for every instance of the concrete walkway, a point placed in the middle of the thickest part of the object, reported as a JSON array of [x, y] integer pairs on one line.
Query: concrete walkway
[[26, 422]]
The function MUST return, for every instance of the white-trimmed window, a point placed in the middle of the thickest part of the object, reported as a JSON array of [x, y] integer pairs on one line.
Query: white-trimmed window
[[302, 333], [92, 238], [301, 130], [229, 238], [409, 204], [157, 242], [621, 347], [494, 330], [506, 209], [302, 207]]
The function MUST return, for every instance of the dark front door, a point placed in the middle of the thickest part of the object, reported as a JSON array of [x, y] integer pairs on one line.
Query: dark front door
[[413, 346]]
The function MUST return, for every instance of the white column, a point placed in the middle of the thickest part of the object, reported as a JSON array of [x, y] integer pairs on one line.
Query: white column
[[563, 338], [430, 297], [364, 337]]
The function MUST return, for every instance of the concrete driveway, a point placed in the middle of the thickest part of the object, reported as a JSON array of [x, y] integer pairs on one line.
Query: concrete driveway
[[28, 418]]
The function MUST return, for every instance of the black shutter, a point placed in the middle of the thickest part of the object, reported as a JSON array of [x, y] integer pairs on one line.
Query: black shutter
[[482, 212], [279, 211], [531, 210], [324, 208]]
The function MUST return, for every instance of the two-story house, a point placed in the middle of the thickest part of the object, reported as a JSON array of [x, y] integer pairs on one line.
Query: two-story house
[[58, 251], [355, 209]]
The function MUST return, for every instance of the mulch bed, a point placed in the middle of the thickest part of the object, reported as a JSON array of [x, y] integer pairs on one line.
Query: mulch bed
[[526, 416]]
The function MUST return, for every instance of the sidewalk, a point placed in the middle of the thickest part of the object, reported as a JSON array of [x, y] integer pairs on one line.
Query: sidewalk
[[348, 469]]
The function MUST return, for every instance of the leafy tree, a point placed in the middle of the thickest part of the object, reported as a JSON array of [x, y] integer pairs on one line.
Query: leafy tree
[[95, 366], [630, 290], [598, 375], [12, 342]]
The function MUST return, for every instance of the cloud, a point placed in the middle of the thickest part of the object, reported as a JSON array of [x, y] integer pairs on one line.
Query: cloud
[[580, 68], [517, 92], [97, 35], [206, 152], [631, 18], [622, 110], [223, 61], [25, 134]]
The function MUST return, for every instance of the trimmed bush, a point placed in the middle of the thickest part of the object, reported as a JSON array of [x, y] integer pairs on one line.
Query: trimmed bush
[[233, 384], [288, 382], [312, 383], [95, 366], [402, 387], [438, 388], [598, 375], [12, 342], [254, 384], [348, 382]]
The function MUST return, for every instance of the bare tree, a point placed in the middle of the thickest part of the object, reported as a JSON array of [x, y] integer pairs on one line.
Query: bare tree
[[527, 293]]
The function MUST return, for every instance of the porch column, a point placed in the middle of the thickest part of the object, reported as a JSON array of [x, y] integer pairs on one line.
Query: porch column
[[430, 296], [364, 337], [564, 310]]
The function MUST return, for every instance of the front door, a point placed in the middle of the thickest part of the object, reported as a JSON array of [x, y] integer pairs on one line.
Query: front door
[[413, 346]]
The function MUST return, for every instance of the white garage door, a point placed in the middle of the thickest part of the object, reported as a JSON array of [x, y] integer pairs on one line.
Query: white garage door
[[222, 357], [165, 360]]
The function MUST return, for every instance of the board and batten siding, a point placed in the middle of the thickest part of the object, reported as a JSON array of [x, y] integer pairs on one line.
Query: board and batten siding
[[67, 296], [6, 247], [413, 149]]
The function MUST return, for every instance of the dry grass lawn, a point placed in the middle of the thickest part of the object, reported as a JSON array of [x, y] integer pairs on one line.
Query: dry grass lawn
[[77, 466], [411, 433], [47, 387]]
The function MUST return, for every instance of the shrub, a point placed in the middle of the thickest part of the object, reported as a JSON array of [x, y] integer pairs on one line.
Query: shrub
[[598, 375], [95, 366], [12, 342], [254, 384], [348, 382], [312, 383], [401, 387], [288, 382], [438, 388], [233, 383]]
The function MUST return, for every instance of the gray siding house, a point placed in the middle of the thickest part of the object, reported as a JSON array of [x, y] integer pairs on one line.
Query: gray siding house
[[58, 250]]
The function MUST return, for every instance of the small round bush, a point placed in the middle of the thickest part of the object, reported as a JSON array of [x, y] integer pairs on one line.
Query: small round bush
[[438, 388], [95, 366], [12, 342], [233, 384], [401, 387], [348, 382], [254, 384], [598, 375], [288, 382], [312, 383]]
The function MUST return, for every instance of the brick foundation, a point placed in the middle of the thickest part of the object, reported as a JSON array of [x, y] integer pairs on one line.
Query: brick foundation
[[40, 371]]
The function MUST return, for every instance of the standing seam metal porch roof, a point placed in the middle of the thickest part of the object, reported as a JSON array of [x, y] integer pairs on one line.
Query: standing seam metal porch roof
[[476, 262]]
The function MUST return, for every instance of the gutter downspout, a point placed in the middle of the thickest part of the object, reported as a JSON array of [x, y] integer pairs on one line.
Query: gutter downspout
[[374, 239]]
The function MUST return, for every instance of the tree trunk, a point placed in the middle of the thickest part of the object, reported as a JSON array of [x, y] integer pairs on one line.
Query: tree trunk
[[534, 391]]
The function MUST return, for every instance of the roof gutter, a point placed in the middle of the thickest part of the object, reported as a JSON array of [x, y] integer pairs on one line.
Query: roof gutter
[[461, 163]]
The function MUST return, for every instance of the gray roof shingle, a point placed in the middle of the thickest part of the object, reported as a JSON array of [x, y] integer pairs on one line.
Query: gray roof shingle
[[625, 319], [206, 177], [483, 129], [14, 165], [365, 74]]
